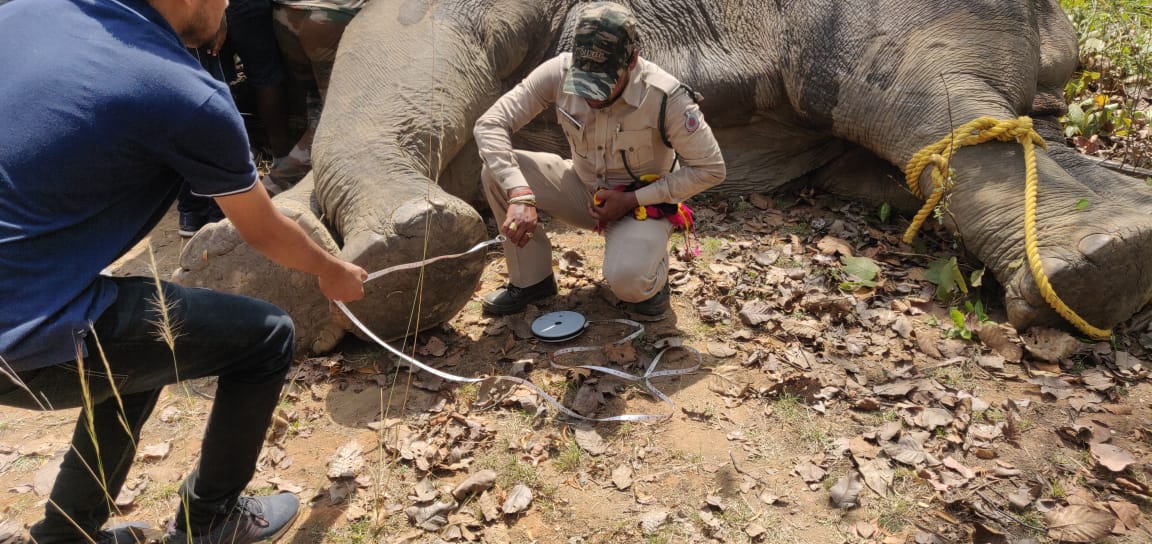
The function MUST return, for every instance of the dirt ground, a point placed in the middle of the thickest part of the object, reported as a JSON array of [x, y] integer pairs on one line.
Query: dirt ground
[[827, 409]]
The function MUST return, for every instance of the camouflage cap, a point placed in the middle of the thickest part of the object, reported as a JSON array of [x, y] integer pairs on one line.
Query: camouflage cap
[[603, 42]]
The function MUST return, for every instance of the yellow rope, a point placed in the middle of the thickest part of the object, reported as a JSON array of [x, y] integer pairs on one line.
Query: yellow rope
[[978, 131]]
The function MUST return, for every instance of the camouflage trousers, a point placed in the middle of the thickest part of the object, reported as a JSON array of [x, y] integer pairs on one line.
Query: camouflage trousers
[[308, 40]]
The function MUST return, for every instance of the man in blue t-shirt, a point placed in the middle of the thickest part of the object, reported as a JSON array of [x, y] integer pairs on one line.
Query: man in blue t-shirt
[[105, 112]]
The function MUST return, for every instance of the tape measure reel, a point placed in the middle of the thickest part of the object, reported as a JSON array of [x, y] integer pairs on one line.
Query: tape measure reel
[[559, 326]]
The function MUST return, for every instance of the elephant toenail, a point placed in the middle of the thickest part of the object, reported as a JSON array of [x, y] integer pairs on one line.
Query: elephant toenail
[[1092, 243]]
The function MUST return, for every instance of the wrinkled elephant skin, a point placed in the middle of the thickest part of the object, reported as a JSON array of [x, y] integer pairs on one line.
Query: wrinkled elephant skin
[[837, 93]]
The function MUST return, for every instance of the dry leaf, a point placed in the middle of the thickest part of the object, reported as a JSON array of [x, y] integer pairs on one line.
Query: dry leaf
[[435, 347], [346, 462], [830, 245], [155, 452], [983, 534], [589, 440], [1111, 457], [809, 472], [651, 522], [476, 483], [878, 474], [1128, 515], [432, 517], [621, 354], [907, 451], [713, 312], [959, 467], [721, 350], [519, 499], [1078, 523], [894, 389], [46, 475], [622, 476], [808, 329], [756, 312], [1050, 344], [846, 493], [1002, 339], [424, 491], [489, 507]]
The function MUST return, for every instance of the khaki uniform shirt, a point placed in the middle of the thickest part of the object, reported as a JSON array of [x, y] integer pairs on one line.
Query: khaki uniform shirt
[[602, 139]]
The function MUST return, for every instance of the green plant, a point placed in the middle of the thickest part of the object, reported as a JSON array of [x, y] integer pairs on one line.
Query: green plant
[[884, 212], [948, 279], [1115, 45], [570, 458], [858, 272], [961, 320]]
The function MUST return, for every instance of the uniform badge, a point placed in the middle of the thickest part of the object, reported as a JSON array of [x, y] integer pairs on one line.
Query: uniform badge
[[692, 120]]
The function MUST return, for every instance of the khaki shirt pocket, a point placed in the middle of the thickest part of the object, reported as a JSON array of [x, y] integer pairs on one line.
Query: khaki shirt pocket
[[636, 146], [574, 132]]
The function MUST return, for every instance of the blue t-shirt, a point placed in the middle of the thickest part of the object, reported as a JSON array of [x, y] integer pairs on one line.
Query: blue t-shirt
[[103, 113]]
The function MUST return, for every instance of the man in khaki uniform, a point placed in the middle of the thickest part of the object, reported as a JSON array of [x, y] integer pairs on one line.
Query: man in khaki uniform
[[609, 102]]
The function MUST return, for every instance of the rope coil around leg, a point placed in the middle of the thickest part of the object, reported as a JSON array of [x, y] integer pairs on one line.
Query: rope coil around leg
[[978, 131]]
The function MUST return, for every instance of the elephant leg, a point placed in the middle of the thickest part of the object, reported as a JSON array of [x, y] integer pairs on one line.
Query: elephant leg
[[401, 224], [1093, 244], [860, 176], [1102, 180]]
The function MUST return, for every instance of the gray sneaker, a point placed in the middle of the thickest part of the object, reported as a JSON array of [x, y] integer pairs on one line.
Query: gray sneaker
[[253, 519], [125, 533]]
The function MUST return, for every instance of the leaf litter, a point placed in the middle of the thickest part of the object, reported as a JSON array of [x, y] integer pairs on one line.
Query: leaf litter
[[826, 340]]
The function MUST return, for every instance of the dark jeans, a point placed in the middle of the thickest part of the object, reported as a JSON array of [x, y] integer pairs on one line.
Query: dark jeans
[[244, 341], [250, 37]]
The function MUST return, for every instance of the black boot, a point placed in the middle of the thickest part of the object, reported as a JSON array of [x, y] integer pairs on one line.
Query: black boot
[[510, 299], [654, 306]]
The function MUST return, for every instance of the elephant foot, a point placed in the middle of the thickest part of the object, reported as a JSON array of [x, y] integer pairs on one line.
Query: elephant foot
[[407, 232], [217, 258], [328, 337], [1093, 235], [1101, 273]]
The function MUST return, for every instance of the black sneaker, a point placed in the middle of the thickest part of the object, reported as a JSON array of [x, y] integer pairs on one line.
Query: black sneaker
[[253, 519], [511, 299], [652, 307], [191, 222]]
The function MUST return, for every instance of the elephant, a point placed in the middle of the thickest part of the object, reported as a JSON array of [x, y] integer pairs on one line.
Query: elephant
[[837, 94]]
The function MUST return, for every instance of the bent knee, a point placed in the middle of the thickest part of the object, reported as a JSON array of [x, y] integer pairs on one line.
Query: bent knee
[[631, 286]]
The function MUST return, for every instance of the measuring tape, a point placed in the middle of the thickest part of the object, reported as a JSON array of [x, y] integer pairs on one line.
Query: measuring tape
[[552, 327]]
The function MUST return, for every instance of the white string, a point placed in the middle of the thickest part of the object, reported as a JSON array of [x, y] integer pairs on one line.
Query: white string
[[643, 380]]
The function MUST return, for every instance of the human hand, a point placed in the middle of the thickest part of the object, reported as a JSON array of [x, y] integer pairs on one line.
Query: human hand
[[343, 281], [612, 205], [520, 224]]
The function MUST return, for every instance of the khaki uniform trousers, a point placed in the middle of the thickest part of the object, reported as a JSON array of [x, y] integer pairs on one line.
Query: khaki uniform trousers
[[635, 254]]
